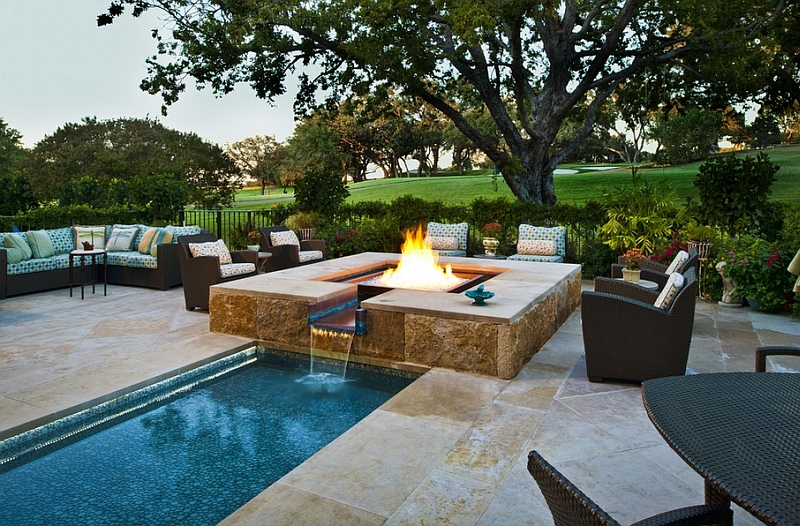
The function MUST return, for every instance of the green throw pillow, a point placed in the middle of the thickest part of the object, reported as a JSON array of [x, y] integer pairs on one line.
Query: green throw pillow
[[14, 240], [14, 255], [41, 244]]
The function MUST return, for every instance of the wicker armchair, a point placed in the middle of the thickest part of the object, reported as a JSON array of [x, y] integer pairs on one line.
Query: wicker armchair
[[571, 507], [773, 350], [287, 256], [654, 271], [199, 273], [631, 340]]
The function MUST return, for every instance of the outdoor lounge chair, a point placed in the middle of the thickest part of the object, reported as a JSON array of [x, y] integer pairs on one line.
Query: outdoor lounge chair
[[200, 272], [773, 350], [288, 251], [571, 507], [633, 340], [657, 272], [448, 239]]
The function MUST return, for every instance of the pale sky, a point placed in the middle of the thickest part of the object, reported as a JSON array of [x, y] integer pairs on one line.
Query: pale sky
[[57, 66]]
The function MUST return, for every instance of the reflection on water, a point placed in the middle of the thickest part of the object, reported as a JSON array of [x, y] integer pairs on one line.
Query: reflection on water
[[194, 460]]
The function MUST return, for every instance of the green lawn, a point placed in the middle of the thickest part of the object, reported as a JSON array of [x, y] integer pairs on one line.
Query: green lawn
[[570, 188]]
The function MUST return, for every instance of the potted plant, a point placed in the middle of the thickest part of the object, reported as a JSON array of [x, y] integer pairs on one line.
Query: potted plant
[[633, 264], [758, 269], [304, 223], [254, 240], [701, 238], [490, 241]]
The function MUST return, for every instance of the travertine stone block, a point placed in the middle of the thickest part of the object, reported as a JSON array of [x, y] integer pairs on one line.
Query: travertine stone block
[[456, 344], [283, 321], [385, 336], [232, 314]]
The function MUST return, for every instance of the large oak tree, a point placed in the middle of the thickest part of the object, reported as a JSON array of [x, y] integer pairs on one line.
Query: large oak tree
[[529, 61]]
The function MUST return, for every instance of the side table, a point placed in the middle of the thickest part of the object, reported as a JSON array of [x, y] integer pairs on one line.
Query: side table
[[484, 256], [645, 283], [262, 260], [91, 255]]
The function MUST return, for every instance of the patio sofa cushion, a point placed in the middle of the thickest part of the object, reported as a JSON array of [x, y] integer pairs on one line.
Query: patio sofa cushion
[[310, 255], [18, 241], [132, 258], [121, 239], [154, 237], [40, 244], [94, 235], [28, 266], [63, 239]]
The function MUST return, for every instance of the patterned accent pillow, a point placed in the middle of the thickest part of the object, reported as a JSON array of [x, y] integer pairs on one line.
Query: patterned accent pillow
[[536, 247], [678, 262], [154, 237], [671, 289], [41, 246], [283, 238], [95, 235], [443, 243], [458, 230], [212, 248], [121, 239], [15, 240]]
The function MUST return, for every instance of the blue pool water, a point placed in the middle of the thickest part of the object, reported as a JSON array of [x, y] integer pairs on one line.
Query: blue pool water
[[196, 458]]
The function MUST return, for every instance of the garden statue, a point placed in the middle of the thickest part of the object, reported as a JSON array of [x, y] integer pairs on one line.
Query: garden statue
[[728, 288]]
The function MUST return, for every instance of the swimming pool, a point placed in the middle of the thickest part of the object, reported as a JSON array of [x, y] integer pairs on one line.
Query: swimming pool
[[194, 451]]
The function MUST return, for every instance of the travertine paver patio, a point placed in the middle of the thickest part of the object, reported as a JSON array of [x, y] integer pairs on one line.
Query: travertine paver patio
[[450, 449]]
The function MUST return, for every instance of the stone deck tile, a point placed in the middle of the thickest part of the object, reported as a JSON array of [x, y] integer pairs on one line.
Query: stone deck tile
[[450, 449]]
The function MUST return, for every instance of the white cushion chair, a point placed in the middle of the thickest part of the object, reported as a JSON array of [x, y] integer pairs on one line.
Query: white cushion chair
[[448, 239], [538, 243], [287, 250]]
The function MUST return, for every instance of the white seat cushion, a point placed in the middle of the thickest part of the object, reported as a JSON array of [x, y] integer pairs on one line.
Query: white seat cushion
[[310, 255], [236, 269], [670, 291]]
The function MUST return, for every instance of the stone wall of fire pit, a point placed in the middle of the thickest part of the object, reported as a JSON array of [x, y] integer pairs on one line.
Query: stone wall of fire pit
[[408, 328]]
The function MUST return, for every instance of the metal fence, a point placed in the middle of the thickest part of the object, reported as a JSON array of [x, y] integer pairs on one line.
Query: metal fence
[[227, 224]]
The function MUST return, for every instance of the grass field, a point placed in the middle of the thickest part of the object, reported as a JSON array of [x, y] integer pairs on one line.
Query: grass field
[[579, 187]]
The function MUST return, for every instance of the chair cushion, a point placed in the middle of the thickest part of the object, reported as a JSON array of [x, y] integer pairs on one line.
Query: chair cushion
[[41, 246], [458, 231], [96, 235], [443, 243], [557, 234], [121, 239], [154, 237], [63, 240], [671, 289], [536, 247], [212, 248], [310, 255], [286, 237], [15, 240], [233, 269], [678, 262]]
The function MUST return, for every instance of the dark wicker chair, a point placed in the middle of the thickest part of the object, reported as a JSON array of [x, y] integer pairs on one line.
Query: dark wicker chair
[[773, 350], [198, 274], [288, 256], [654, 271], [571, 507], [631, 340]]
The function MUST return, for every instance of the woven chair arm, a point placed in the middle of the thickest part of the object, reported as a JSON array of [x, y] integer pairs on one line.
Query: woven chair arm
[[649, 264], [616, 270], [693, 515], [620, 307], [624, 288], [245, 256], [773, 350], [203, 267], [314, 244]]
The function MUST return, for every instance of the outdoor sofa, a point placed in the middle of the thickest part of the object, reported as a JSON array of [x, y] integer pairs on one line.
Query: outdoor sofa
[[47, 266]]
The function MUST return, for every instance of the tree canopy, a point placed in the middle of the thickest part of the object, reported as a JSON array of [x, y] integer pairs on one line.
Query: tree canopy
[[529, 63], [121, 149], [16, 195]]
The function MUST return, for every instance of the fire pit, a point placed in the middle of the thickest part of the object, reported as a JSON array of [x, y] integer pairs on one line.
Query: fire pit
[[407, 328]]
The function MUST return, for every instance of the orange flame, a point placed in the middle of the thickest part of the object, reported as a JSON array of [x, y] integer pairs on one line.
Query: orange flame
[[418, 267]]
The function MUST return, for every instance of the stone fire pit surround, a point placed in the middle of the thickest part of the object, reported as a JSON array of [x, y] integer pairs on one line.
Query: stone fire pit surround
[[407, 328]]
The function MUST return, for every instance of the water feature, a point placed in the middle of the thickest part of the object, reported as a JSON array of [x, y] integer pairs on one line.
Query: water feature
[[195, 456]]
